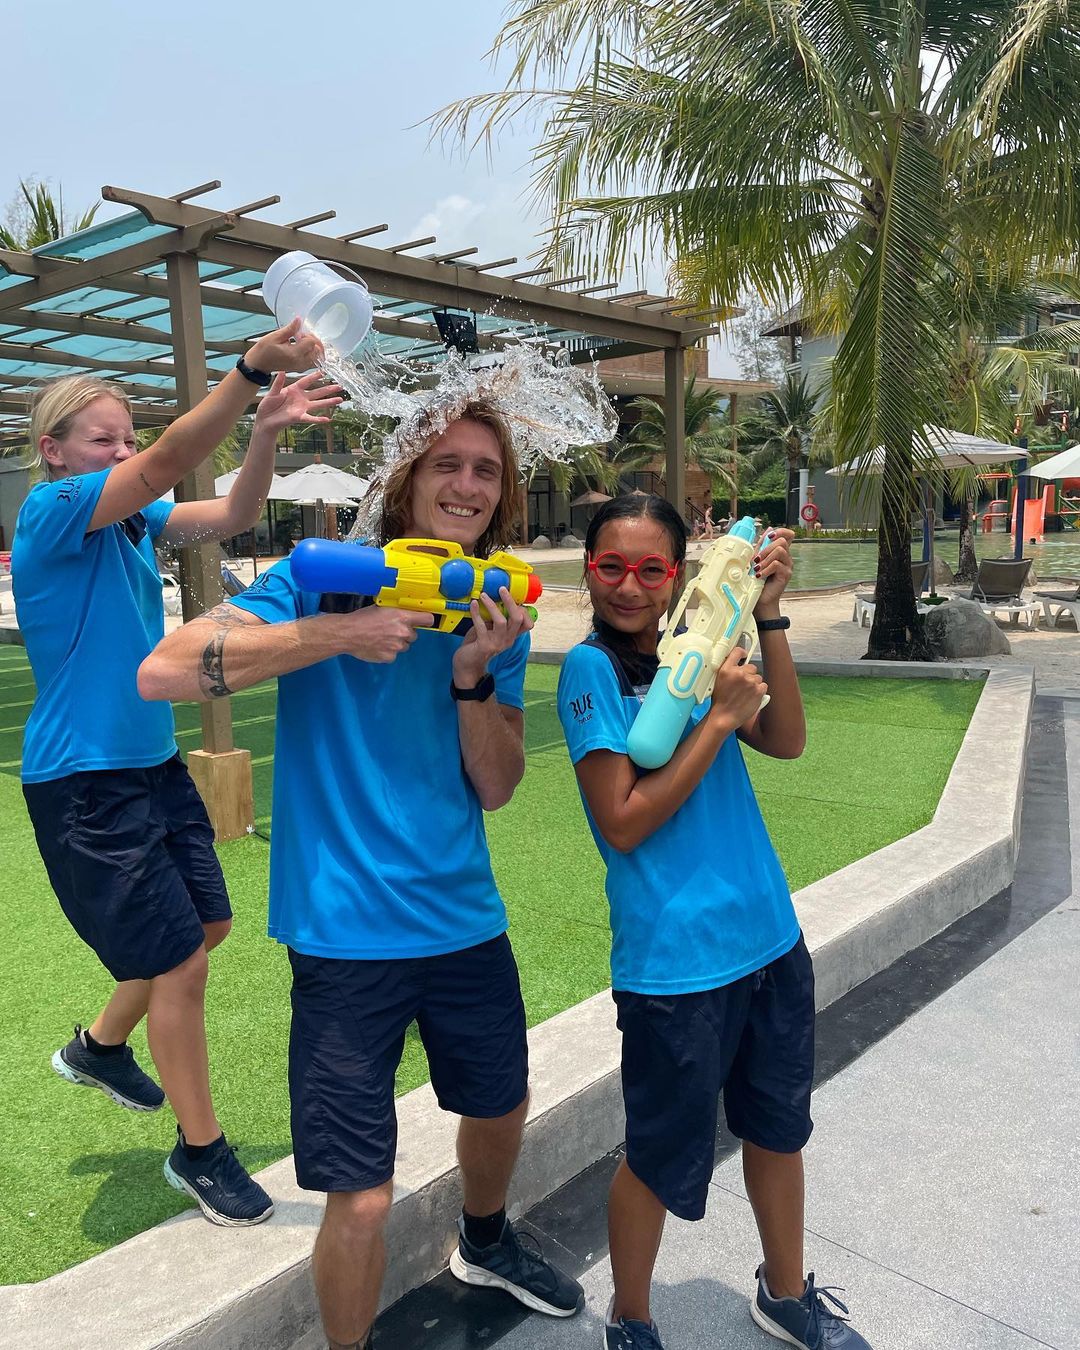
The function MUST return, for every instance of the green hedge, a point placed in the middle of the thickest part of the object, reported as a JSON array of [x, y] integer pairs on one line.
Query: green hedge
[[769, 508]]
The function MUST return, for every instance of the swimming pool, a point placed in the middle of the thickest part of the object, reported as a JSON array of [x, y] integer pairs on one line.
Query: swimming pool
[[844, 561]]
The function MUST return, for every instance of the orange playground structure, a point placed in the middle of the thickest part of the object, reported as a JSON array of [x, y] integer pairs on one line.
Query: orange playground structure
[[1064, 503]]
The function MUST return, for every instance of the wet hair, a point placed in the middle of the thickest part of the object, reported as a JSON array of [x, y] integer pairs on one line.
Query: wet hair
[[58, 402], [397, 495], [639, 667]]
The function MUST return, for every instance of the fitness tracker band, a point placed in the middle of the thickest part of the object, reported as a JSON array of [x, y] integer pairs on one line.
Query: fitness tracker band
[[258, 377], [480, 694]]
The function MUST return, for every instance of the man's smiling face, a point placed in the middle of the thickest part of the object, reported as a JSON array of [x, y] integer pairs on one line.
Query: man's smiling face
[[456, 485]]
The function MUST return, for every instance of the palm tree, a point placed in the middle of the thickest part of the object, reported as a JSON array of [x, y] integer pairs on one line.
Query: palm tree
[[706, 443], [779, 429], [45, 221], [847, 151]]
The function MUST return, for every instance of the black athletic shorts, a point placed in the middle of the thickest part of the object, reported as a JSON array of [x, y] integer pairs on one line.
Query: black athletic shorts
[[752, 1040], [130, 855], [348, 1033]]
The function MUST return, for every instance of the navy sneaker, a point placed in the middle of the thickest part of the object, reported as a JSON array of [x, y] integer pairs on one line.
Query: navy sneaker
[[805, 1321], [220, 1183], [117, 1075], [626, 1334], [516, 1263]]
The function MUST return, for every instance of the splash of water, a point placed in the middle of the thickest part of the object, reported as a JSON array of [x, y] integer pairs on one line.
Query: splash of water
[[551, 407]]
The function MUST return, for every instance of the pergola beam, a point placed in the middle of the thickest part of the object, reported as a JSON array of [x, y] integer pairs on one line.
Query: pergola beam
[[417, 278], [141, 414]]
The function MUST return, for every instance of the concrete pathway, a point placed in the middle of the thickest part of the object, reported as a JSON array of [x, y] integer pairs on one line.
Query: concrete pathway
[[944, 1173]]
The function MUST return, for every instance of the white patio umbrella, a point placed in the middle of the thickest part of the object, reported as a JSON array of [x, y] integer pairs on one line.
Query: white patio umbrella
[[1064, 465], [953, 450], [321, 485], [222, 487]]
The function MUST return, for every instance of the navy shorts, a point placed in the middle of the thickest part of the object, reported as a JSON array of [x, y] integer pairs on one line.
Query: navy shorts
[[130, 855], [348, 1033], [752, 1040]]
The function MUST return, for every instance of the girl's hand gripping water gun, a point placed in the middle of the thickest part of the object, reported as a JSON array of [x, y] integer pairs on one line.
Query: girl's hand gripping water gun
[[724, 594], [426, 575]]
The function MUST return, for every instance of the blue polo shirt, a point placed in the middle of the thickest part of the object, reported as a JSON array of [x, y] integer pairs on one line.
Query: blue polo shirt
[[703, 900], [90, 611], [378, 848]]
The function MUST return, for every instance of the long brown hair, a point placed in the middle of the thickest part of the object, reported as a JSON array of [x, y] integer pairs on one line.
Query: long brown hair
[[397, 495]]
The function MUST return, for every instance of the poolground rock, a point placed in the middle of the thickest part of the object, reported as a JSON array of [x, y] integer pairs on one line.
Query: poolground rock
[[541, 541], [960, 628], [569, 541]]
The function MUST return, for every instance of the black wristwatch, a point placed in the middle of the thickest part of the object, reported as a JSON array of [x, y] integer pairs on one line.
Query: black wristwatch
[[480, 694], [258, 377], [772, 625]]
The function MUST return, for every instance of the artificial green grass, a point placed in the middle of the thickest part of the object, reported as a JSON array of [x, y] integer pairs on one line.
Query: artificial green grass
[[82, 1175]]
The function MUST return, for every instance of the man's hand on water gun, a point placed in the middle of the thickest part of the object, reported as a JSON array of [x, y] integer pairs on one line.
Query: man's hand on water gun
[[492, 632], [774, 564], [381, 635], [302, 401], [288, 348], [738, 688]]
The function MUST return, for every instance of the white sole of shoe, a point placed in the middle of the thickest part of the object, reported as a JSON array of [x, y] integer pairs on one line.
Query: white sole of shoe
[[81, 1079], [469, 1274], [178, 1183], [773, 1328]]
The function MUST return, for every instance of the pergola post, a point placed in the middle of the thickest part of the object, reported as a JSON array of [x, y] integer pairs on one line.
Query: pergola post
[[221, 772], [675, 427]]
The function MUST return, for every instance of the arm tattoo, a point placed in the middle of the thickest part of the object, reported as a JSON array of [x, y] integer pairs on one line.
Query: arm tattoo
[[225, 615], [145, 483], [212, 675]]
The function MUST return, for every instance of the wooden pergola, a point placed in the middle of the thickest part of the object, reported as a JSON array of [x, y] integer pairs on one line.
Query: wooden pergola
[[163, 298]]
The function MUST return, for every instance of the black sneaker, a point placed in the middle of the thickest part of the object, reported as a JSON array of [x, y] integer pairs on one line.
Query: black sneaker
[[220, 1183], [117, 1075], [806, 1321], [626, 1334], [516, 1263]]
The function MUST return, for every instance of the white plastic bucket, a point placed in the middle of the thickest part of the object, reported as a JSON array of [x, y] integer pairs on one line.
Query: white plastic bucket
[[298, 285]]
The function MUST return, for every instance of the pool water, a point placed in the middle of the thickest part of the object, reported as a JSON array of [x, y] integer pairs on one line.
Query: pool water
[[835, 564]]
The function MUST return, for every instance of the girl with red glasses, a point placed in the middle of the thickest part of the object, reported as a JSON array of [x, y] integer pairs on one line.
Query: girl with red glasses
[[711, 977]]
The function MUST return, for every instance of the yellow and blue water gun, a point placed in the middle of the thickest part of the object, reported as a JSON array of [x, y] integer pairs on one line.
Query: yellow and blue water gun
[[724, 594], [429, 576]]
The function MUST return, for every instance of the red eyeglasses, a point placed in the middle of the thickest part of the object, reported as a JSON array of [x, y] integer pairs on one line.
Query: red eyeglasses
[[651, 571]]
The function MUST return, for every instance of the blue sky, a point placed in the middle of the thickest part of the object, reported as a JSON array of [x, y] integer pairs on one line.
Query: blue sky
[[320, 108], [321, 104]]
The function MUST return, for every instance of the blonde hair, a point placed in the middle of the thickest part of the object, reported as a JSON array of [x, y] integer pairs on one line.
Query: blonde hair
[[397, 494], [58, 402]]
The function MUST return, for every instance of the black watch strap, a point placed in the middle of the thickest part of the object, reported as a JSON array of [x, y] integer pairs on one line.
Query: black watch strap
[[480, 694], [772, 625], [258, 377]]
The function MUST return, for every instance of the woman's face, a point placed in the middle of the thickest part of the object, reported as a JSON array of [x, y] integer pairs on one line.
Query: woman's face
[[457, 485], [629, 606], [100, 436]]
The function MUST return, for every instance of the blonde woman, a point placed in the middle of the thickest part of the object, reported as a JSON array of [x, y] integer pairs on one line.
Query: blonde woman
[[122, 832]]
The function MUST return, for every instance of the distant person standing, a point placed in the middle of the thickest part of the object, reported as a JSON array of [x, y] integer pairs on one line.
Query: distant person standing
[[707, 526]]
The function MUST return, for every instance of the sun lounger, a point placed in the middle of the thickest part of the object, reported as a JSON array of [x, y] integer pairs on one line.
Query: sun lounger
[[1056, 603], [866, 602]]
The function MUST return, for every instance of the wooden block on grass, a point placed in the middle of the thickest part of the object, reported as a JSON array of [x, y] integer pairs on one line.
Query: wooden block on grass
[[224, 782]]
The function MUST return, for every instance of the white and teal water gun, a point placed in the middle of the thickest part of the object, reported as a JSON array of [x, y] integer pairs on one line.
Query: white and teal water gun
[[723, 596]]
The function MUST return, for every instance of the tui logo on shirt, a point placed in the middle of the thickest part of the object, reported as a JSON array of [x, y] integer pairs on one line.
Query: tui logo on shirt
[[68, 490], [582, 708]]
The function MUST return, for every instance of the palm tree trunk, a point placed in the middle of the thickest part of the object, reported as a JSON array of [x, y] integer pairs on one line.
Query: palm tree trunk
[[968, 568], [897, 631]]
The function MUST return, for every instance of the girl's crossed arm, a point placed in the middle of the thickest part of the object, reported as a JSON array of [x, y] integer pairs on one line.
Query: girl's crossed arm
[[628, 807]]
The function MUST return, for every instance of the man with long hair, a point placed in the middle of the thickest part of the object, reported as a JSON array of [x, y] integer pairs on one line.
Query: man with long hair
[[389, 738]]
